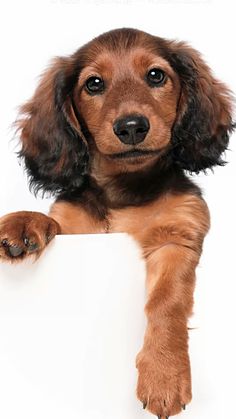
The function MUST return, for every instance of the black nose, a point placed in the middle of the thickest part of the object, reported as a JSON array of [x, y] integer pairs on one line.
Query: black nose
[[131, 129]]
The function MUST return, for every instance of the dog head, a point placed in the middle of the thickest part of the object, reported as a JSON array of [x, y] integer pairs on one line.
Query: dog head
[[126, 100]]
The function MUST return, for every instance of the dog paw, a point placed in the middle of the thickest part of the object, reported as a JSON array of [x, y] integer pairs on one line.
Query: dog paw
[[164, 382], [25, 233]]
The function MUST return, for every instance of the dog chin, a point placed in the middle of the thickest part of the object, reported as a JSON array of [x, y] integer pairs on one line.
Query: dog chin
[[134, 155], [134, 159], [134, 164]]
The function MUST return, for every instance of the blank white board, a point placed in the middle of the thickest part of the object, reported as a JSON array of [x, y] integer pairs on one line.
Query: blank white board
[[70, 327]]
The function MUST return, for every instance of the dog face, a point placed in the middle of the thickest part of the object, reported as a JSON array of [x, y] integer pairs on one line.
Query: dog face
[[127, 99]]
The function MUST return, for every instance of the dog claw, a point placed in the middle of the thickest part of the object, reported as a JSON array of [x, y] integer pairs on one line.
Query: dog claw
[[49, 237], [159, 416], [26, 241], [15, 251], [31, 247], [144, 405], [183, 406]]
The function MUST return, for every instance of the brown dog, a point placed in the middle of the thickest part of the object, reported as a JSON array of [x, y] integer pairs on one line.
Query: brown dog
[[110, 131]]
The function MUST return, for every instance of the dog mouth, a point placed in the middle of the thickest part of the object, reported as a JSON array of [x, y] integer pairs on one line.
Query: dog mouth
[[135, 153]]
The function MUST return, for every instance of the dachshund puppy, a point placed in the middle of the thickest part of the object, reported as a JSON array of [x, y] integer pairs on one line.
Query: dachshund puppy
[[111, 132]]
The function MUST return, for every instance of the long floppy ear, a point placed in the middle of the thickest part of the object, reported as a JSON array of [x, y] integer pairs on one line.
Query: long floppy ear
[[204, 123], [53, 146]]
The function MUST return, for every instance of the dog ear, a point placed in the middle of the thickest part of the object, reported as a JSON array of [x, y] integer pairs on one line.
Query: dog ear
[[204, 123], [53, 147]]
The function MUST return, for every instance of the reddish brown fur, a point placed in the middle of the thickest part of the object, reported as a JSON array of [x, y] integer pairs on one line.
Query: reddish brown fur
[[141, 196]]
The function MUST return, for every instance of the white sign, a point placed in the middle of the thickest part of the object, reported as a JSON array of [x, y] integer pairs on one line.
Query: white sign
[[71, 325]]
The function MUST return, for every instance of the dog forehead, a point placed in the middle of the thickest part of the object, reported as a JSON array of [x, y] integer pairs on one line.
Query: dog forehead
[[110, 63]]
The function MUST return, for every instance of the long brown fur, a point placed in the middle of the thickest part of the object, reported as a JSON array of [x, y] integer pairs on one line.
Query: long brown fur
[[70, 149]]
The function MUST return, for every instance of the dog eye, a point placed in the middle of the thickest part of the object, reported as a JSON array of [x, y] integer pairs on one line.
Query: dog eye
[[156, 77], [94, 85]]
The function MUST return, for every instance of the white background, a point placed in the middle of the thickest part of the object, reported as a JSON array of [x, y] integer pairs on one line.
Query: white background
[[31, 34]]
